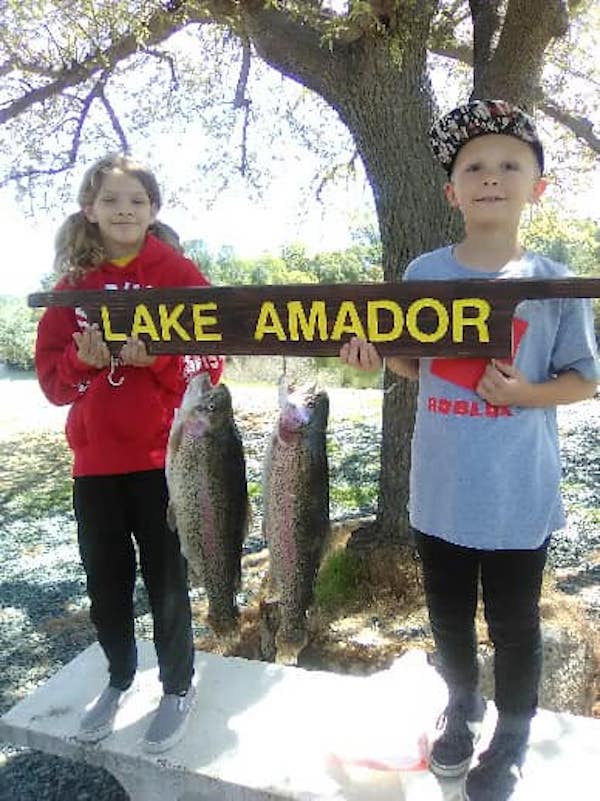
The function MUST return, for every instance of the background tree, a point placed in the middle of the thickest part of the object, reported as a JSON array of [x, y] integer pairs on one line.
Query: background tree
[[65, 66]]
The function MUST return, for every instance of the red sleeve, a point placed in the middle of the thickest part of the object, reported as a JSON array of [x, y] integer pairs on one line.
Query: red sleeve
[[213, 365], [168, 371], [61, 374], [184, 272]]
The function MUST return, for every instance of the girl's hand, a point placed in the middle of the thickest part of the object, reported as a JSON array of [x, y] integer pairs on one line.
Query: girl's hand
[[91, 348], [134, 353], [361, 354], [503, 385]]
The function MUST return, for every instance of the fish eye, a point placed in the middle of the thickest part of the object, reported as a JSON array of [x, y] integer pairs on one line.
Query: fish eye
[[211, 406]]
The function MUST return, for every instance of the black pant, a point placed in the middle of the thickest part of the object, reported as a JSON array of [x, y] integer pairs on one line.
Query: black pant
[[109, 510], [511, 582]]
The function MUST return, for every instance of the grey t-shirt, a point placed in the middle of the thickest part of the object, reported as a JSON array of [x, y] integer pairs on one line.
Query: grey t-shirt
[[484, 476]]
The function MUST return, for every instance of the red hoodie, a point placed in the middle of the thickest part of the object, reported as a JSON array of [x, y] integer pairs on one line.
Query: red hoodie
[[117, 429]]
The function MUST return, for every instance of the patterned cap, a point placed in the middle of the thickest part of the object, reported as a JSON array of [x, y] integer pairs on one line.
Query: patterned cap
[[477, 118]]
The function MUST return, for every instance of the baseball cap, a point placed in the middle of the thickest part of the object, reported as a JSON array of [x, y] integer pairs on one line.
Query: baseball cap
[[477, 118]]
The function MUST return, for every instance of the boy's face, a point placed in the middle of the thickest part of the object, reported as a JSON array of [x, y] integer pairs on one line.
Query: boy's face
[[494, 176], [123, 212]]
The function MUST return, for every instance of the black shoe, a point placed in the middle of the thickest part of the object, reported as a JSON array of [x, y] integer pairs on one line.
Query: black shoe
[[496, 775], [460, 728]]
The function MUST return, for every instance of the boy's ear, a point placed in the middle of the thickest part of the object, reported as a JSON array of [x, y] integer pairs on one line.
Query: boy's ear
[[450, 194], [538, 190]]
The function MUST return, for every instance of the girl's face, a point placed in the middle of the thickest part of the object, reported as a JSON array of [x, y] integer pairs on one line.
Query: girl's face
[[123, 212]]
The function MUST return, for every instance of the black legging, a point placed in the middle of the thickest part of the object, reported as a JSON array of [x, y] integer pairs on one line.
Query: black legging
[[109, 511], [511, 582]]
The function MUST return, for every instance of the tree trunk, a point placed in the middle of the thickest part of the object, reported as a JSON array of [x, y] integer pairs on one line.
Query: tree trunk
[[390, 112], [384, 97]]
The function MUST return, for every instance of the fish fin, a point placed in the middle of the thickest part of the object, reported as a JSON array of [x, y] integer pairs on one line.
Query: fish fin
[[175, 435], [283, 390], [203, 381], [286, 386], [171, 516]]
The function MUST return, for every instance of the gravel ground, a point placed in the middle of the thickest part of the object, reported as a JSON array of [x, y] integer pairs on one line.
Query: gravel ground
[[43, 606]]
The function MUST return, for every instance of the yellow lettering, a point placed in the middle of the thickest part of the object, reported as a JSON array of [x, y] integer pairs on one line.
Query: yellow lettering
[[200, 321], [109, 334], [412, 322], [347, 322], [373, 308], [459, 321], [297, 320], [268, 322], [143, 323], [169, 320]]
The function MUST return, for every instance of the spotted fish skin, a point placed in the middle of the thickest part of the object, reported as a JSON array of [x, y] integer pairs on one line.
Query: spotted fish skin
[[208, 498], [296, 509]]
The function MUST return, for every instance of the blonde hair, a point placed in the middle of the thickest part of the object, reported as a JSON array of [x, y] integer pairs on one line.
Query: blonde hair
[[78, 244]]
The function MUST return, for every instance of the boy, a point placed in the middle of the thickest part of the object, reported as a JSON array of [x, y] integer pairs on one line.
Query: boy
[[486, 505]]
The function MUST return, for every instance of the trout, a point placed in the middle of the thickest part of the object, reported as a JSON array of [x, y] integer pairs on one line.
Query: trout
[[296, 510], [208, 497]]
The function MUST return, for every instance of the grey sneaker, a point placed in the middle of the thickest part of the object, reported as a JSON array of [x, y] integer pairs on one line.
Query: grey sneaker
[[168, 723], [98, 721]]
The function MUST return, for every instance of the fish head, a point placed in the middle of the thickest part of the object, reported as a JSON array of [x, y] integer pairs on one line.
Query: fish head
[[204, 408], [301, 409]]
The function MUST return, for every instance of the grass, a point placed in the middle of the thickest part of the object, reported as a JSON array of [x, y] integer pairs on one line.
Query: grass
[[344, 497], [340, 582], [35, 476]]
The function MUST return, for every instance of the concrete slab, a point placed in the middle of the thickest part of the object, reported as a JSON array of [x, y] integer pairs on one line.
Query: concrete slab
[[263, 731]]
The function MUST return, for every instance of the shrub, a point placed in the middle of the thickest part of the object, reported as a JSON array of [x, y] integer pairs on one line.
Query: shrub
[[18, 324], [341, 581]]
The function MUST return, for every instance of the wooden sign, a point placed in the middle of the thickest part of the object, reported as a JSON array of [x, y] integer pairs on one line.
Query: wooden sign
[[413, 318]]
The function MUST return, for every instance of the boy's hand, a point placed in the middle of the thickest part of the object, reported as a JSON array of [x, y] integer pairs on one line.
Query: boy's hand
[[91, 348], [134, 353], [360, 354], [503, 385]]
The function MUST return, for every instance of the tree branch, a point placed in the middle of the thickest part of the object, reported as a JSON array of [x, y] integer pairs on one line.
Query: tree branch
[[272, 27], [345, 168], [25, 66], [161, 56], [115, 122], [71, 158], [486, 23], [272, 32], [514, 71], [455, 51], [241, 101], [580, 126], [159, 27]]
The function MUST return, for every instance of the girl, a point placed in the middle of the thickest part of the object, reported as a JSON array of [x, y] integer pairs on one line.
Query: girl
[[117, 427]]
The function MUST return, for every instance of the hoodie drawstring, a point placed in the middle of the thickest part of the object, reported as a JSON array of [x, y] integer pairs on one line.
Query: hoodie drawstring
[[114, 363]]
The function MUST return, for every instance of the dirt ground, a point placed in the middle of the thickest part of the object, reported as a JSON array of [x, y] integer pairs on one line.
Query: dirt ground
[[364, 640]]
